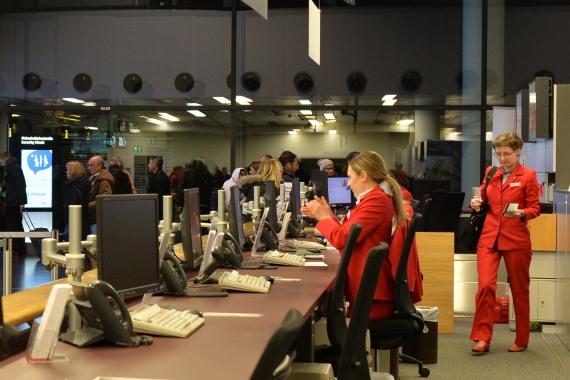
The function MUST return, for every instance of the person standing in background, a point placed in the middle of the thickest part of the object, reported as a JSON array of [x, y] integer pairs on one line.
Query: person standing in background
[[16, 199], [102, 183], [77, 190], [505, 236], [119, 162], [159, 182], [290, 164]]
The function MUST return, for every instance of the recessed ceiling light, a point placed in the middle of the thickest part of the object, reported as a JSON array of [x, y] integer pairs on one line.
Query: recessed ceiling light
[[222, 100], [292, 132], [168, 116], [73, 100], [155, 121], [305, 102], [193, 104], [405, 122], [306, 112], [332, 132], [329, 115], [197, 113]]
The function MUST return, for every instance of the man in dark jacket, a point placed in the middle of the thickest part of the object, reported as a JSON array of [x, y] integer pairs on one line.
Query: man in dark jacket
[[290, 164], [159, 182], [16, 199]]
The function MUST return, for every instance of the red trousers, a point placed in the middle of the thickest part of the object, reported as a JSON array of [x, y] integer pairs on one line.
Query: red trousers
[[517, 263]]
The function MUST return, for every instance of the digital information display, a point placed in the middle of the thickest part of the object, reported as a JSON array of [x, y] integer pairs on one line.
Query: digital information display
[[37, 165]]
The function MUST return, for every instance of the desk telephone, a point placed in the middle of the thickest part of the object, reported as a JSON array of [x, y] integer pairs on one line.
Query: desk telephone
[[176, 281], [106, 317]]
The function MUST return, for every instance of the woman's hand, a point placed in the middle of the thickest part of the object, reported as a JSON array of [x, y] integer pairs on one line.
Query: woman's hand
[[318, 208], [475, 203]]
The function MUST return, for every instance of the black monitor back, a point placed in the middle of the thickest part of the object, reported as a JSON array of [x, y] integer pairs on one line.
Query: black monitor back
[[190, 230], [295, 199], [235, 218], [127, 243], [271, 202], [319, 183]]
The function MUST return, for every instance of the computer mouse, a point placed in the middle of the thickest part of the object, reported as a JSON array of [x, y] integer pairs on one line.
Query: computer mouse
[[268, 278], [196, 312]]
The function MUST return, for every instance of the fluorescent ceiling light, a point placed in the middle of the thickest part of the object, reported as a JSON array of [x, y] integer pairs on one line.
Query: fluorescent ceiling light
[[15, 115], [305, 102], [389, 102], [405, 122], [332, 132], [243, 100], [315, 123], [222, 100], [455, 134], [329, 115], [306, 112], [296, 129], [91, 128], [197, 113], [292, 132], [193, 104], [168, 116], [68, 118], [73, 100], [386, 98], [155, 121], [89, 104]]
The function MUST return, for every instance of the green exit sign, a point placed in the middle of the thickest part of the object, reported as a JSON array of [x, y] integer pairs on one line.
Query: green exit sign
[[137, 148]]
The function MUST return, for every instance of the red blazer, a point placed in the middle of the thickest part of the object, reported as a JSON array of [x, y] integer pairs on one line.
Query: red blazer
[[374, 212], [521, 187]]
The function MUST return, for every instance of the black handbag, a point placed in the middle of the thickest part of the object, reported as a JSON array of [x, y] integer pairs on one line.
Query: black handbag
[[474, 225]]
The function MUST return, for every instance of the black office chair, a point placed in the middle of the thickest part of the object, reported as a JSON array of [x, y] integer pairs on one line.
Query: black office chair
[[390, 334], [353, 361], [335, 308], [276, 361]]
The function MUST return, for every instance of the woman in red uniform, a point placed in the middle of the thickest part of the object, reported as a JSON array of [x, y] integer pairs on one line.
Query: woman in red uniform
[[378, 209], [507, 237]]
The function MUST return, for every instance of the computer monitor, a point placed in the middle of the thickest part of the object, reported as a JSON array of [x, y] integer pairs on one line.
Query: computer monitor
[[271, 203], [235, 218], [190, 229], [127, 243], [319, 183], [339, 194], [295, 199]]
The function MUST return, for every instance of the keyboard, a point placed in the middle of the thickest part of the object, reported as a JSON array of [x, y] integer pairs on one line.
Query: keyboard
[[283, 258], [154, 320], [244, 282], [301, 244]]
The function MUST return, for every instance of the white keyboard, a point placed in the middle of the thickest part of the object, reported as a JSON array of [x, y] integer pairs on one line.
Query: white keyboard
[[244, 282], [300, 244], [283, 258], [152, 319]]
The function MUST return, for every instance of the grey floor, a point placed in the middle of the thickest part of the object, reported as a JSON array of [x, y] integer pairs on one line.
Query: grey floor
[[546, 358]]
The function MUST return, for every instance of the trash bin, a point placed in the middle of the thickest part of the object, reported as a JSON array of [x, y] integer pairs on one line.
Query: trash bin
[[424, 345]]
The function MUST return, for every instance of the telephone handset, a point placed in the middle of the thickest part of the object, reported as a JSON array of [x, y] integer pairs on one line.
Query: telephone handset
[[221, 256], [173, 274], [231, 243], [105, 316], [113, 315], [293, 229], [269, 237]]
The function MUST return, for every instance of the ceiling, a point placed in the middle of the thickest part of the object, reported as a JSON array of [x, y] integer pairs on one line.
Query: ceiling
[[262, 117], [21, 6]]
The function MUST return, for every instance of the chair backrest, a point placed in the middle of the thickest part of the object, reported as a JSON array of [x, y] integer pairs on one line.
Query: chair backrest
[[353, 362], [276, 350], [336, 319], [402, 300]]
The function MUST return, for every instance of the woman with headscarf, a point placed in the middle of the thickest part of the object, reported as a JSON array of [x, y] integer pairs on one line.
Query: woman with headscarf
[[236, 174]]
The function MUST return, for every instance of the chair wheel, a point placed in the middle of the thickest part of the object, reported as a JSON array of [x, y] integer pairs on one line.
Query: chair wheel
[[424, 372]]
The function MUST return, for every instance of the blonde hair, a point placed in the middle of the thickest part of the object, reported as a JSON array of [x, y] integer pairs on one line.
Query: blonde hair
[[271, 170], [373, 164], [118, 161], [75, 169]]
